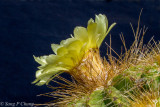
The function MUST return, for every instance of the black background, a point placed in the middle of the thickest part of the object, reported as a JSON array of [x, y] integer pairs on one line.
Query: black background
[[28, 27]]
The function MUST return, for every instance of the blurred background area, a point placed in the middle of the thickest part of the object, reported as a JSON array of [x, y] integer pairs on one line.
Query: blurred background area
[[29, 27]]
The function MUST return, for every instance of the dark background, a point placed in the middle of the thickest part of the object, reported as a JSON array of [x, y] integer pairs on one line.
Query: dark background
[[28, 27]]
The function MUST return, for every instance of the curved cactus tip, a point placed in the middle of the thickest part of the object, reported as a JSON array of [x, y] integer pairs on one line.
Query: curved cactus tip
[[70, 52]]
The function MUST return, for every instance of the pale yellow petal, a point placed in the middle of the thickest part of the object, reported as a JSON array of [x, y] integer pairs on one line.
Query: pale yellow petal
[[41, 81], [42, 77], [102, 24], [66, 61], [51, 58], [110, 28], [91, 28], [38, 73], [55, 47], [41, 60], [80, 33], [67, 41], [75, 45], [53, 69], [62, 51]]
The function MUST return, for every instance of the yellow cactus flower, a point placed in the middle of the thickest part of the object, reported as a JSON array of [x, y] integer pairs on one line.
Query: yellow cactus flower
[[70, 53]]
